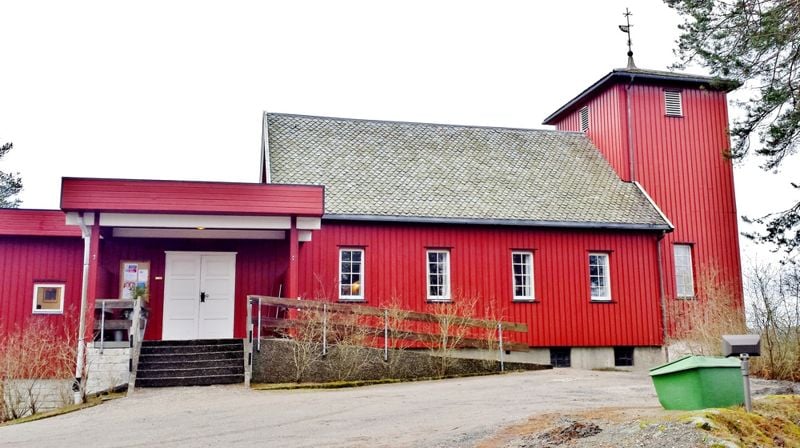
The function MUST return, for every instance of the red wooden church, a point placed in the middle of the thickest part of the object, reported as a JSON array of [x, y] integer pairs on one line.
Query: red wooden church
[[585, 232]]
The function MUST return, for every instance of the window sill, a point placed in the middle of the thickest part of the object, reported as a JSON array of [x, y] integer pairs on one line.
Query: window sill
[[440, 301], [523, 300], [602, 301], [352, 300], [686, 297]]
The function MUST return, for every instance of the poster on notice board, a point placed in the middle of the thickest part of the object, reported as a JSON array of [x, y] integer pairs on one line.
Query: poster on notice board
[[134, 280]]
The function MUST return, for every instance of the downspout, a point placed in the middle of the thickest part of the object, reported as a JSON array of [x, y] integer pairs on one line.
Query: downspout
[[631, 152], [79, 363], [662, 294]]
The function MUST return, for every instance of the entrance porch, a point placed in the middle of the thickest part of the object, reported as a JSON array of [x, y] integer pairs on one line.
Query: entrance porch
[[192, 251]]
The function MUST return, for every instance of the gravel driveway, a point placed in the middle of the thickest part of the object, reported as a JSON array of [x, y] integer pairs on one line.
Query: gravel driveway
[[456, 412]]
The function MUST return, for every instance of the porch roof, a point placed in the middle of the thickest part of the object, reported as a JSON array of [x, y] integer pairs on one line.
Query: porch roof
[[190, 197]]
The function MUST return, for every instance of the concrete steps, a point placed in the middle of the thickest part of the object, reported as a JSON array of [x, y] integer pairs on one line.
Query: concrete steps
[[190, 363]]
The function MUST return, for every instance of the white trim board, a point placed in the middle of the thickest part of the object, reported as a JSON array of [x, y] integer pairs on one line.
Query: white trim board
[[194, 221], [222, 234]]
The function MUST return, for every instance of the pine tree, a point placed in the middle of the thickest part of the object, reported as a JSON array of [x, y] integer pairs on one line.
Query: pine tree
[[10, 183], [757, 43]]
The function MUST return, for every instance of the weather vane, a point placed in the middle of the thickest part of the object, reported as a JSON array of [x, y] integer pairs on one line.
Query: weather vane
[[627, 29]]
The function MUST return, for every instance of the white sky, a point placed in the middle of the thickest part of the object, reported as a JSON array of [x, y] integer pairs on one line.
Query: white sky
[[175, 90]]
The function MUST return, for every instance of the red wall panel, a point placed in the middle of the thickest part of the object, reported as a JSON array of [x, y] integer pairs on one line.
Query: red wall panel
[[25, 260], [481, 268], [608, 120], [680, 162]]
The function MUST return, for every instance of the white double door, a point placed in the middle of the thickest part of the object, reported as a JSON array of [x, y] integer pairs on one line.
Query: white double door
[[199, 292]]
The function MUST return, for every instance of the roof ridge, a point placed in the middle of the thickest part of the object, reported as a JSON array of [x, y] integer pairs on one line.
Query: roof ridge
[[467, 126]]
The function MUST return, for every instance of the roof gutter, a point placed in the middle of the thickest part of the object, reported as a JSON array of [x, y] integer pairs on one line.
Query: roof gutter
[[502, 222]]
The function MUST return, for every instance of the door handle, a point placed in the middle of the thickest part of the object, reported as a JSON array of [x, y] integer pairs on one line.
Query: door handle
[[203, 296]]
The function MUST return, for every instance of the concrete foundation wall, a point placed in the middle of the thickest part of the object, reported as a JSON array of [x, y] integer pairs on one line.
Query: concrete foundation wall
[[581, 357], [106, 370]]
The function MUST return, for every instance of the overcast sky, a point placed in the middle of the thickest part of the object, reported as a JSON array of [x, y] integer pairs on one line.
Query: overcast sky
[[175, 90]]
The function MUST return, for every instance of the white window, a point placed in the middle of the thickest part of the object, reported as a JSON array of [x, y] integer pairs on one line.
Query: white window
[[48, 298], [351, 274], [599, 278], [673, 103], [584, 115], [522, 271], [684, 274], [438, 262]]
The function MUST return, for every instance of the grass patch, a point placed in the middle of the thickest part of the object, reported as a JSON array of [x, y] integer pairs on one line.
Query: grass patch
[[90, 402], [361, 383], [774, 422]]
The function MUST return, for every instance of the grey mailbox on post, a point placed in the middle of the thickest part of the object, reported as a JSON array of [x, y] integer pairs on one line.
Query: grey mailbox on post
[[738, 344], [744, 346]]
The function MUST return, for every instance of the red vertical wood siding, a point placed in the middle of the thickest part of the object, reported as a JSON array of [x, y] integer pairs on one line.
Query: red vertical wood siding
[[395, 268], [607, 127], [480, 258], [680, 162], [26, 260]]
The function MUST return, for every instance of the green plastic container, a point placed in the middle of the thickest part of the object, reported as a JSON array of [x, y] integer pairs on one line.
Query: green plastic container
[[699, 382]]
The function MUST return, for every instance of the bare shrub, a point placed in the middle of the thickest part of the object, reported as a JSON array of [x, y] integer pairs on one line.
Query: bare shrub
[[698, 324], [450, 330], [491, 336], [30, 356], [399, 338], [348, 339], [774, 312], [307, 335]]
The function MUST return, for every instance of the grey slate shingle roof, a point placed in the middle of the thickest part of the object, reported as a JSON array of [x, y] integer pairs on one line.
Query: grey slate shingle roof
[[454, 173]]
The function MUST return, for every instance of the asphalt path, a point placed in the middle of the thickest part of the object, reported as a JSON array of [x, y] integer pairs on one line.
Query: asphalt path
[[454, 412]]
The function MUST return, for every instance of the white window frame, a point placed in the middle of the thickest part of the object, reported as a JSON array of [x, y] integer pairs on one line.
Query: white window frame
[[584, 124], [606, 277], [678, 97], [61, 286], [683, 262], [352, 297], [445, 297], [528, 274]]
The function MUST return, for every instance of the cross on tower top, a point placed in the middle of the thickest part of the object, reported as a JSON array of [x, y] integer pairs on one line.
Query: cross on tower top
[[627, 29]]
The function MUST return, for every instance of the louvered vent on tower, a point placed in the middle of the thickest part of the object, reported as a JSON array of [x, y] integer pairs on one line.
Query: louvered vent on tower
[[673, 103], [584, 112]]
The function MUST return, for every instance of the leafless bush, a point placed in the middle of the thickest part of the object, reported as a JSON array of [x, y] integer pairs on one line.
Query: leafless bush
[[774, 312], [307, 335], [450, 330], [348, 338], [399, 338], [29, 357], [491, 336], [698, 324]]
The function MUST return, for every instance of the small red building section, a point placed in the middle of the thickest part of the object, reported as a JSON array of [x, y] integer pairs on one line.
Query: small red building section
[[37, 248], [678, 156]]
